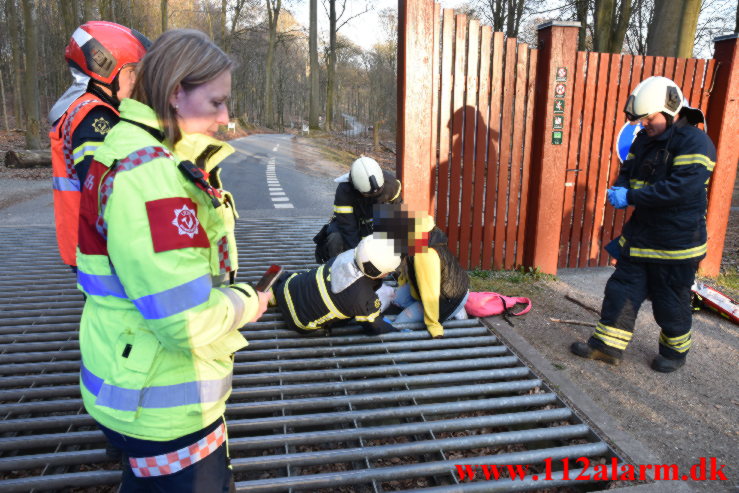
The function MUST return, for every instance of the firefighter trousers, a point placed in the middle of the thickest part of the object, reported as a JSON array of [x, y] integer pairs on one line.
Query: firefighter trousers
[[668, 287]]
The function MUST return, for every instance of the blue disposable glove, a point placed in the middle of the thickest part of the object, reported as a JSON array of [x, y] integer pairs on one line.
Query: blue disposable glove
[[617, 197]]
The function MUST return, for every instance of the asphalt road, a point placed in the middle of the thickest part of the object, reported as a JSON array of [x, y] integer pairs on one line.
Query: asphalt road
[[269, 175]]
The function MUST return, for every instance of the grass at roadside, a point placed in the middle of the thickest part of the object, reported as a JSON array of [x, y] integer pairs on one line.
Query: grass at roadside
[[728, 283], [519, 282]]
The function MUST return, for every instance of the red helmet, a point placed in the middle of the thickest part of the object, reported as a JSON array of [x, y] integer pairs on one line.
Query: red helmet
[[101, 49]]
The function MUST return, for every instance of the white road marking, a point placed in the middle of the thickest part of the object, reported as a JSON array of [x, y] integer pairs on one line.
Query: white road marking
[[277, 194]]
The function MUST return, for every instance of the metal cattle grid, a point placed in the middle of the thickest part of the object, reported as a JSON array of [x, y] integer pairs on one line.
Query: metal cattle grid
[[347, 412]]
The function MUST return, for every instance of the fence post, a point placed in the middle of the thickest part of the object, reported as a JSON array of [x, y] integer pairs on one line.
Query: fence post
[[555, 67], [721, 117], [415, 100]]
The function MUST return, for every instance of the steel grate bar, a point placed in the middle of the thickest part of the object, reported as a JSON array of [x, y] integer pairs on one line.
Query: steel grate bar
[[349, 411]]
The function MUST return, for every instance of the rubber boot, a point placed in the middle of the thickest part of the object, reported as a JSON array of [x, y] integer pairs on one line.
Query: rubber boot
[[666, 365], [584, 350]]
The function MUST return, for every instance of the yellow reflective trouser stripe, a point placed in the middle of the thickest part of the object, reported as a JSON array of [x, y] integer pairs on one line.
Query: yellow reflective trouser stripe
[[669, 254], [637, 184], [343, 209], [612, 336], [368, 318], [680, 343], [686, 159]]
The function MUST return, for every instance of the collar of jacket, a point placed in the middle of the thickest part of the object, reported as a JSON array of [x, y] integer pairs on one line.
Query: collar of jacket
[[206, 152], [344, 272]]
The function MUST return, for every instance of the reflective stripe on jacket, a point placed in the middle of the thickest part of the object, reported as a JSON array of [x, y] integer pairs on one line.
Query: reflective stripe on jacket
[[158, 330], [65, 183]]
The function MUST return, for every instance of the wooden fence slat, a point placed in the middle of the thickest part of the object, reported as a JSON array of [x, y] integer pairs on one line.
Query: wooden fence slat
[[679, 77], [471, 115], [573, 162], [491, 185], [460, 39], [478, 210], [515, 196], [631, 68], [526, 165], [707, 86], [610, 121], [508, 121], [669, 70], [445, 120], [699, 67], [593, 168], [584, 158], [435, 110]]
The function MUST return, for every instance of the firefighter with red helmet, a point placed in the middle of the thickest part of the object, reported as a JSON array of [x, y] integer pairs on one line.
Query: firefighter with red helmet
[[101, 57]]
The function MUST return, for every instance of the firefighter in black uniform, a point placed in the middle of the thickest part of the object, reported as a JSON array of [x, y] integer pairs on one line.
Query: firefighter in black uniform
[[665, 177], [367, 184], [339, 290]]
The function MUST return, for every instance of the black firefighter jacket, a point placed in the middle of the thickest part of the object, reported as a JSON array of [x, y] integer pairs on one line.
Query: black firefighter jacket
[[667, 177], [353, 212]]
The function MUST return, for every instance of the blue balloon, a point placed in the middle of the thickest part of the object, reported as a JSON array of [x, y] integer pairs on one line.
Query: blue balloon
[[625, 137]]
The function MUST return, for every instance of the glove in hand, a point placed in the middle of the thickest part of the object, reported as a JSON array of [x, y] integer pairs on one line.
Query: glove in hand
[[617, 197]]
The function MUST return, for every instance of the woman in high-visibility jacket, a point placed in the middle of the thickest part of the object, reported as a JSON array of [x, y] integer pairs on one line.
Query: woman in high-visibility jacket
[[156, 251]]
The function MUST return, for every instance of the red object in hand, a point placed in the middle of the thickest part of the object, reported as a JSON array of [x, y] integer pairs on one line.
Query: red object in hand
[[269, 278]]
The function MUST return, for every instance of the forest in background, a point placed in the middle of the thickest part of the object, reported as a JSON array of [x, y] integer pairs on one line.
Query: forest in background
[[289, 74]]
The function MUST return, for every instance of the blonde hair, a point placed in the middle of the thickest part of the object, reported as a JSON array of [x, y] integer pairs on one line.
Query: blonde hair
[[179, 57]]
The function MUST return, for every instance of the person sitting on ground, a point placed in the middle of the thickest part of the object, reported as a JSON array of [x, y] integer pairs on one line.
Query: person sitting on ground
[[433, 286], [341, 289], [364, 186]]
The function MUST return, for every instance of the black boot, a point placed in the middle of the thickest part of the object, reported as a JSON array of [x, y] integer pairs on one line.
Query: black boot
[[584, 350], [666, 365]]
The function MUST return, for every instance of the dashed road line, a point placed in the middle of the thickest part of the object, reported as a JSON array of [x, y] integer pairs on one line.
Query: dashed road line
[[278, 196]]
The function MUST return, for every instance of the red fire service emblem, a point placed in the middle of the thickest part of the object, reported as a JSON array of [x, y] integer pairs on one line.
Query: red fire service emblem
[[186, 221]]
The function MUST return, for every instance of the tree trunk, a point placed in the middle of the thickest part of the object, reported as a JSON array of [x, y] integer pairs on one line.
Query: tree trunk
[[688, 25], [87, 8], [662, 37], [313, 49], [581, 7], [331, 75], [223, 22], [163, 10], [619, 27], [273, 13], [68, 10], [30, 76], [13, 23], [28, 159], [603, 22], [5, 108]]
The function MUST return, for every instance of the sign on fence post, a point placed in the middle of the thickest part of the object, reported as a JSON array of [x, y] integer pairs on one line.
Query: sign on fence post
[[722, 115], [556, 61]]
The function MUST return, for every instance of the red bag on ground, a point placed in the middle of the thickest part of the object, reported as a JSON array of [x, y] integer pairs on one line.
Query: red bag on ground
[[486, 304]]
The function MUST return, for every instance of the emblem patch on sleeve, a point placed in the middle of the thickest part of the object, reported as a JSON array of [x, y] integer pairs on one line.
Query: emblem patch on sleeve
[[101, 126], [174, 224]]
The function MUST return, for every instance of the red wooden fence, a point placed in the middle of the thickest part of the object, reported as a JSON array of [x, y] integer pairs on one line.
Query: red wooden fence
[[512, 148]]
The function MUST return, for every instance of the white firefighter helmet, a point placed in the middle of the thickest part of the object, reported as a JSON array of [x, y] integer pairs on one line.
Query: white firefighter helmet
[[654, 95], [366, 176], [376, 256]]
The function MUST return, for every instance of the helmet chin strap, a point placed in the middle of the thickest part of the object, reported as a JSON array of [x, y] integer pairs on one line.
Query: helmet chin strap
[[96, 88]]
